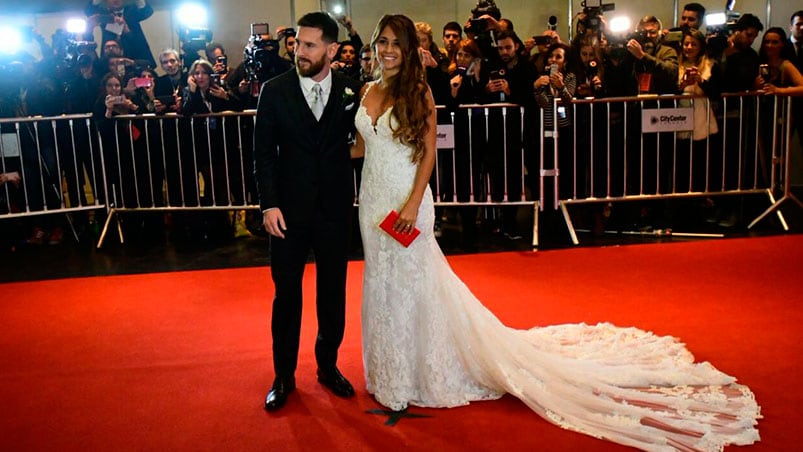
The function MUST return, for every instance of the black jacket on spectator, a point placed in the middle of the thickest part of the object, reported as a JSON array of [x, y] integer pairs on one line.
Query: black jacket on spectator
[[134, 43]]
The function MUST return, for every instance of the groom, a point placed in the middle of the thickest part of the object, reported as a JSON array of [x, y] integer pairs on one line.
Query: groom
[[305, 181]]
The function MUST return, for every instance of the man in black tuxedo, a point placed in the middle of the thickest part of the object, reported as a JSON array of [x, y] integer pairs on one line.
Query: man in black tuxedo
[[304, 179]]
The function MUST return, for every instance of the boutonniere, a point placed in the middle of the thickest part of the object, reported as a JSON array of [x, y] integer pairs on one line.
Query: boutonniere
[[348, 96]]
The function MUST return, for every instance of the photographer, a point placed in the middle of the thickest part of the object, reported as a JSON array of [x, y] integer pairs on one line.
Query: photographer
[[288, 35], [483, 22], [122, 22], [216, 54], [261, 63], [656, 64]]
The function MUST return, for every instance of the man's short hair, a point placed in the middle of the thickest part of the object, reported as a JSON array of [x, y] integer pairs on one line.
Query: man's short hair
[[649, 20], [453, 26], [322, 21], [748, 21], [501, 35], [169, 51], [210, 48], [795, 14], [696, 8]]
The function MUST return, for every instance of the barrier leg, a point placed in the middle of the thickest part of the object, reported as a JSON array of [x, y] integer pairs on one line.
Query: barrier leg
[[536, 208], [112, 215], [776, 205], [569, 224]]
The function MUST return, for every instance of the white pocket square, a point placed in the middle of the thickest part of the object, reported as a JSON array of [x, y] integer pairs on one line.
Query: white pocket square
[[349, 106]]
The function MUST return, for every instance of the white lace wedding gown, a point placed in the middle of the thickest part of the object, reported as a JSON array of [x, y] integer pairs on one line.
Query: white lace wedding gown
[[427, 341]]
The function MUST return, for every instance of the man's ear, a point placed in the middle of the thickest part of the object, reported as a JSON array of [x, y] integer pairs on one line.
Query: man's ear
[[331, 50]]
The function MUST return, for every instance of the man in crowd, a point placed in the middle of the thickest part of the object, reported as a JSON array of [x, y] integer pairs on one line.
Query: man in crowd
[[452, 34], [510, 81], [122, 23], [692, 16]]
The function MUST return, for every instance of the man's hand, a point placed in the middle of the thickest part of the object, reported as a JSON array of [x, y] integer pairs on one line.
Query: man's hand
[[634, 47], [274, 222], [12, 178], [498, 86]]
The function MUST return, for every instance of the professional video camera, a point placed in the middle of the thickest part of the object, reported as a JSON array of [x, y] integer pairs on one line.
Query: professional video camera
[[67, 52], [592, 12], [261, 60], [480, 26], [719, 27], [193, 41]]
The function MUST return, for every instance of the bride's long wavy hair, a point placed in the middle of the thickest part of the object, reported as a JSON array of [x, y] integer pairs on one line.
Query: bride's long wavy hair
[[408, 88]]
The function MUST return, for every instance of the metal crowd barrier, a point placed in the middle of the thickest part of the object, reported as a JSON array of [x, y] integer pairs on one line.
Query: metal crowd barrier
[[637, 148], [177, 163], [491, 156], [49, 154]]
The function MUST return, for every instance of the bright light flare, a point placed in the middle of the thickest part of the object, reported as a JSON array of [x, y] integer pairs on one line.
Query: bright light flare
[[11, 38], [715, 19], [76, 26], [193, 16], [619, 24]]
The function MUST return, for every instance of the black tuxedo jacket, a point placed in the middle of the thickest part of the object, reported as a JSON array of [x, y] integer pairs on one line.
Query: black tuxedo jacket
[[303, 166]]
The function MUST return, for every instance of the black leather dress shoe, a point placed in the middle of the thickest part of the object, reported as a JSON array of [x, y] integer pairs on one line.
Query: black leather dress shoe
[[336, 382], [278, 393]]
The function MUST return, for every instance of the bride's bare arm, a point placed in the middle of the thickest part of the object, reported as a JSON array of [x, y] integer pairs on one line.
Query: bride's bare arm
[[409, 212], [358, 147]]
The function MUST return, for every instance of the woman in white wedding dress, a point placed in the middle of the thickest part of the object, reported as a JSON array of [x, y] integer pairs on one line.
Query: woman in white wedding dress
[[427, 341]]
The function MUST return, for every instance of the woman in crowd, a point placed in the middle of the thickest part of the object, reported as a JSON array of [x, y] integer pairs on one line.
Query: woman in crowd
[[203, 95], [345, 60], [781, 76], [698, 76], [467, 86], [558, 83], [116, 137], [141, 90], [777, 75], [586, 57]]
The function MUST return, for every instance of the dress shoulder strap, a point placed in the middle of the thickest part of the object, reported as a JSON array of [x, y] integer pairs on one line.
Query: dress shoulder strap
[[368, 85]]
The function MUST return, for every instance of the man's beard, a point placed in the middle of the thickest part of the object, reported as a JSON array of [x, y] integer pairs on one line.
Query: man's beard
[[314, 68]]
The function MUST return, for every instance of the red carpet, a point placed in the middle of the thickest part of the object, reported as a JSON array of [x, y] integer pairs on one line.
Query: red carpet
[[181, 361]]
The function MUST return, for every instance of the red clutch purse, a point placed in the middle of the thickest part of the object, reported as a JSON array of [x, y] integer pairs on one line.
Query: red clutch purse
[[404, 238]]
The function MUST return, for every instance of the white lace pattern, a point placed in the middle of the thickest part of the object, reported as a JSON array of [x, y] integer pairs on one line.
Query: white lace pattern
[[427, 341]]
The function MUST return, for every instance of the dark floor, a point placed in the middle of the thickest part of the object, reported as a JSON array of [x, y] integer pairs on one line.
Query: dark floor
[[628, 223]]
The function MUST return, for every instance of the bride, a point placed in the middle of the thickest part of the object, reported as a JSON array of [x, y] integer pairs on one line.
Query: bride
[[427, 341]]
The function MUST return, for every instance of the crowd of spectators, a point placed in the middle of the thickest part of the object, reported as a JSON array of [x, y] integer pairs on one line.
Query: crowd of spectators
[[483, 61]]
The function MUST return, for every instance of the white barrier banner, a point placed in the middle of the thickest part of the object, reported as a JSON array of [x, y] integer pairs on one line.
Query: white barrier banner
[[667, 119], [445, 136], [8, 145]]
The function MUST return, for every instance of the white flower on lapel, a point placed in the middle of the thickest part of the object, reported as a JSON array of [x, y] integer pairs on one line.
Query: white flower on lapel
[[348, 96]]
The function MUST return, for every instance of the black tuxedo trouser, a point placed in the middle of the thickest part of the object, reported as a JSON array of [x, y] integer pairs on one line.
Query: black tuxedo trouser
[[328, 241]]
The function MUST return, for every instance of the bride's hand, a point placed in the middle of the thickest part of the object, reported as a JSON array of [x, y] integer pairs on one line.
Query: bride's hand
[[406, 221]]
